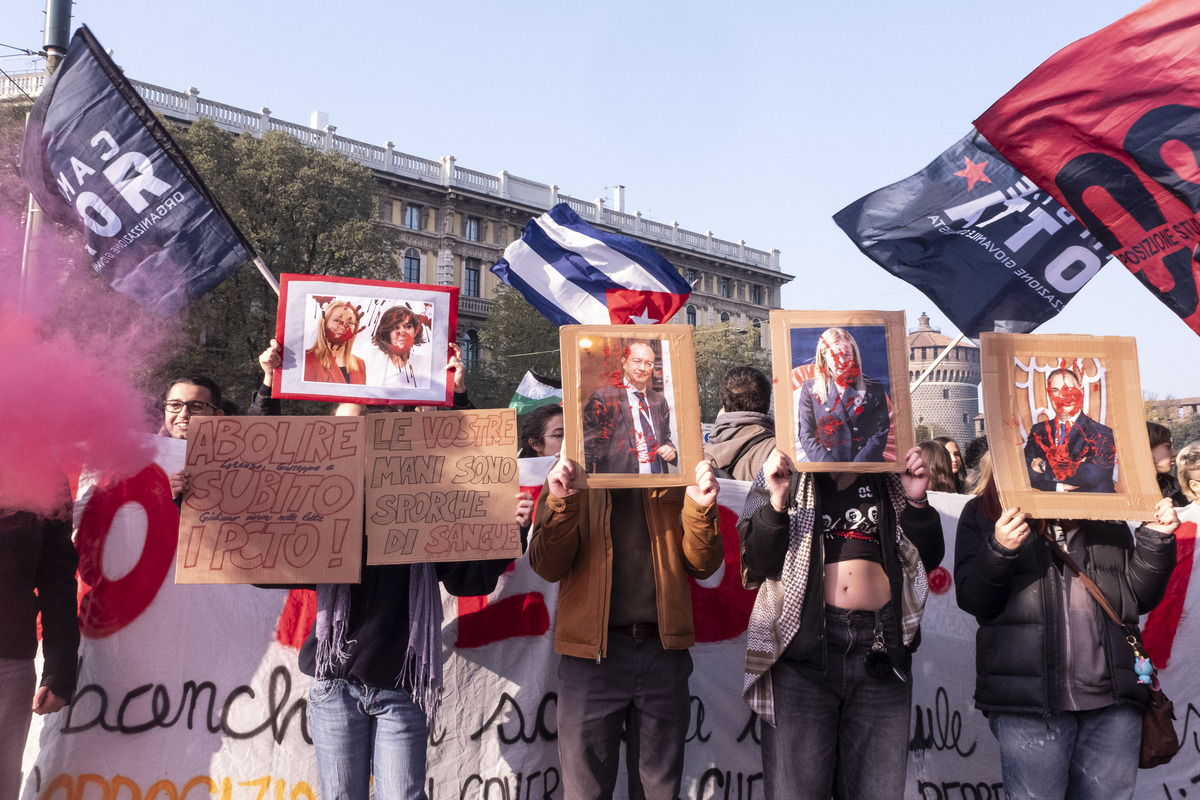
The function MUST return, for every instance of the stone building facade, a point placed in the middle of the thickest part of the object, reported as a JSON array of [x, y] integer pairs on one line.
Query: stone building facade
[[455, 222], [947, 402]]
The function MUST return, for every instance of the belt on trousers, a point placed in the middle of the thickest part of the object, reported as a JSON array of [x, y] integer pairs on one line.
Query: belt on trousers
[[638, 630]]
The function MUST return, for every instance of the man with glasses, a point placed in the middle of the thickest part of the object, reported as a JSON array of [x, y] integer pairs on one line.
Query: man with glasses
[[193, 396], [627, 427]]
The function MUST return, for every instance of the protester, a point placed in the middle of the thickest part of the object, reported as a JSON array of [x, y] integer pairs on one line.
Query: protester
[[956, 462], [972, 456], [1187, 468], [542, 432], [938, 463], [830, 639], [402, 356], [375, 656], [1054, 675], [330, 359], [192, 396], [1163, 455], [627, 426], [375, 650], [843, 413], [624, 625], [37, 576], [744, 434]]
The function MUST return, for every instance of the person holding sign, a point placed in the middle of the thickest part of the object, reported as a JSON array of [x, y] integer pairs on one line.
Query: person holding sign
[[843, 414], [1054, 675], [839, 560], [622, 558], [627, 426], [193, 396], [330, 359]]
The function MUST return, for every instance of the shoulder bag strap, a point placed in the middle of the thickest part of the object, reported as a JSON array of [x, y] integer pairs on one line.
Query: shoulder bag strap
[[1094, 591]]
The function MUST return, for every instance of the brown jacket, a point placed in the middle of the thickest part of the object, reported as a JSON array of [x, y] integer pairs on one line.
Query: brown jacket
[[570, 543]]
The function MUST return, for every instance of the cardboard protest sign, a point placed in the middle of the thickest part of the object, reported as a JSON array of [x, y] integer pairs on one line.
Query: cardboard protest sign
[[1064, 419], [442, 486], [272, 500]]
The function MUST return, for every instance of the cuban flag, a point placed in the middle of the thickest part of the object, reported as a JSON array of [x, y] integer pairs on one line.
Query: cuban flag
[[577, 275]]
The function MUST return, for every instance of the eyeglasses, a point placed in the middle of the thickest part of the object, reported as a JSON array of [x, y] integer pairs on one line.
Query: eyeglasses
[[194, 407]]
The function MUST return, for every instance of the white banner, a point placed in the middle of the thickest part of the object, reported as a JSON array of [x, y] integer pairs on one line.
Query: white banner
[[190, 692]]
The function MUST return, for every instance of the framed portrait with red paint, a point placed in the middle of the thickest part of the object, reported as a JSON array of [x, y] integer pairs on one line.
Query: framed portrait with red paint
[[841, 390], [632, 414], [361, 341], [1063, 415]]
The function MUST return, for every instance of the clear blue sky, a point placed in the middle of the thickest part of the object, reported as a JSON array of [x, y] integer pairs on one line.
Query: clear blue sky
[[756, 120]]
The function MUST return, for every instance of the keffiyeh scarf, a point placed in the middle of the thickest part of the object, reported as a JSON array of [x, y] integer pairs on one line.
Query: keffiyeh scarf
[[775, 618]]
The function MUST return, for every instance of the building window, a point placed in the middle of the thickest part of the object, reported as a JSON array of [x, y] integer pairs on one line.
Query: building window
[[470, 349], [756, 326], [412, 266], [724, 316], [412, 217], [691, 316], [471, 228], [471, 275], [757, 293], [692, 276], [965, 418], [946, 393], [723, 287]]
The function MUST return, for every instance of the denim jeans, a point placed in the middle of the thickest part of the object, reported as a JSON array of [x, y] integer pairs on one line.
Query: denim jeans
[[641, 687], [360, 732], [846, 736], [1079, 755]]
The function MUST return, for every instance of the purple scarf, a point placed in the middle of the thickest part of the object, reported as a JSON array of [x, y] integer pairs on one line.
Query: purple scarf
[[423, 657]]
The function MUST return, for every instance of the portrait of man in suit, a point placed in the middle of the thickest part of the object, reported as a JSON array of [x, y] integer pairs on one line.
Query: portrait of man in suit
[[627, 425], [1071, 452]]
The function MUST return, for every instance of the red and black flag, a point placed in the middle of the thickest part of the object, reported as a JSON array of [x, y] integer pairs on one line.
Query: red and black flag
[[1110, 125], [94, 153]]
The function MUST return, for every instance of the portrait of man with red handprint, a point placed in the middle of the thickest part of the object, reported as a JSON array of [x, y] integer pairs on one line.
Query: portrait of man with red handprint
[[1070, 451]]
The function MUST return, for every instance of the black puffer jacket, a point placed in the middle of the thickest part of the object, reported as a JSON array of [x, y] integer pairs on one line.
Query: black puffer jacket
[[1012, 593]]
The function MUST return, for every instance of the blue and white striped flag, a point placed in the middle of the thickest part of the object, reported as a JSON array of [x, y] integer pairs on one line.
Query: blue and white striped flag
[[575, 274]]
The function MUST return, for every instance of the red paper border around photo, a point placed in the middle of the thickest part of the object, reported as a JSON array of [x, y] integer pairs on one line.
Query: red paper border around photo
[[292, 323]]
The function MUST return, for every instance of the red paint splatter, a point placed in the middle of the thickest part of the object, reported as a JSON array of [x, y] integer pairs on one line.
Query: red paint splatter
[[940, 581]]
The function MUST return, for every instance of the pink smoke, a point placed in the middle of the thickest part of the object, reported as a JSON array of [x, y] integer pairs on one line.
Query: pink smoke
[[67, 354]]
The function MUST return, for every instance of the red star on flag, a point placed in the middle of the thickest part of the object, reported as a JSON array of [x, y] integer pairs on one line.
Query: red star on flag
[[973, 173]]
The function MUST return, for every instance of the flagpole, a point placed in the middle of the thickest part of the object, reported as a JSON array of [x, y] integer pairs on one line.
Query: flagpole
[[266, 273], [936, 361], [33, 220]]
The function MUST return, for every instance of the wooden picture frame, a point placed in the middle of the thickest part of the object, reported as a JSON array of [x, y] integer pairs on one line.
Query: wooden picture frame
[[876, 425], [600, 432], [415, 376], [1104, 452]]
